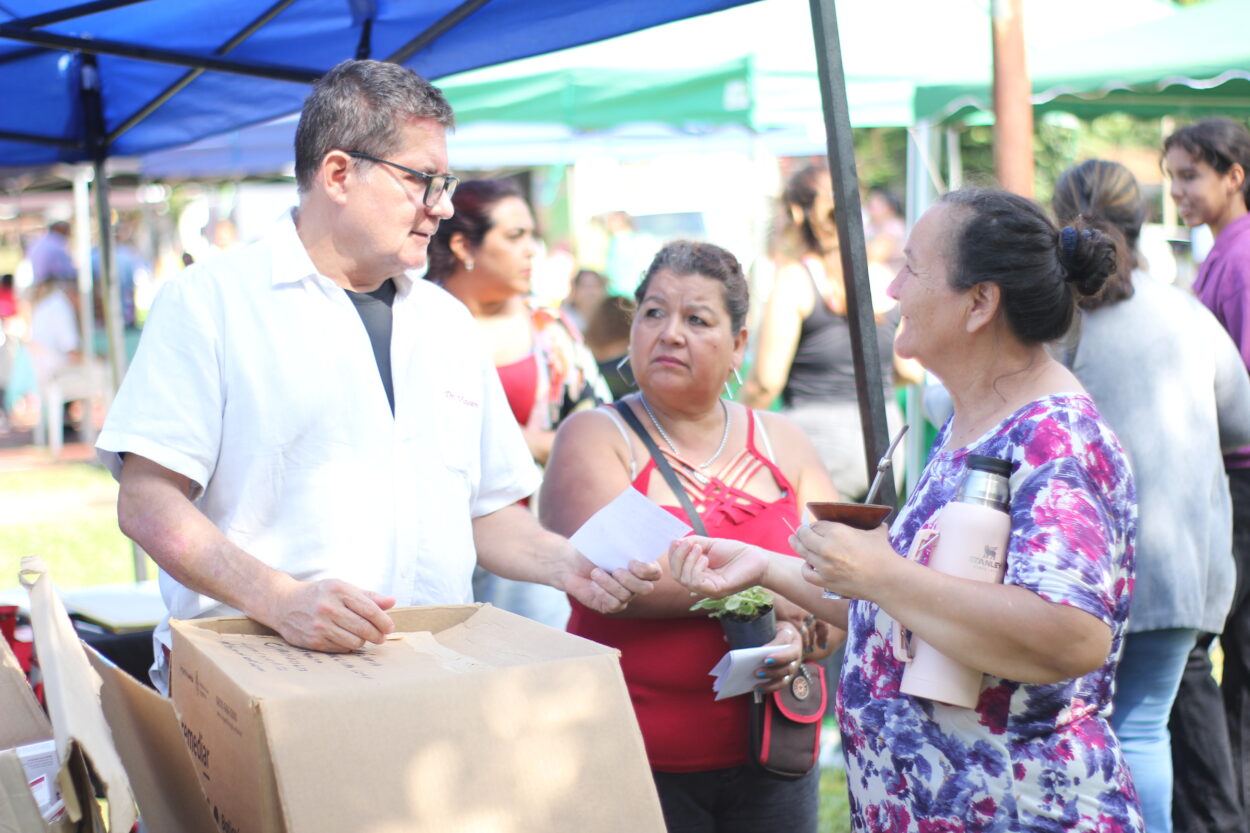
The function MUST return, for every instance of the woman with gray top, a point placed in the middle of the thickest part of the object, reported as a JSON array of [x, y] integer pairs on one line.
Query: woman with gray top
[[1169, 381]]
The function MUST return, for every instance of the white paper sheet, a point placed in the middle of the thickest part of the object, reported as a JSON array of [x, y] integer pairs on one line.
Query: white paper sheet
[[631, 527], [735, 673]]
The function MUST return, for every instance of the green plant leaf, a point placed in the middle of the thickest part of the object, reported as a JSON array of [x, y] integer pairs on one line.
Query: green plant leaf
[[745, 603]]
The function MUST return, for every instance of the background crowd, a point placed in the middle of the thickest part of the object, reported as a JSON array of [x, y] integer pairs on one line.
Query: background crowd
[[1122, 401]]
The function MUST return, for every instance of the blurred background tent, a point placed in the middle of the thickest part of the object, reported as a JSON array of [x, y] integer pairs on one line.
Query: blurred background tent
[[747, 71], [83, 82], [1189, 64]]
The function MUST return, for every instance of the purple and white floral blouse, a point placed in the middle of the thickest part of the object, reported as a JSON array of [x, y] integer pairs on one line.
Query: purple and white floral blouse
[[1028, 757]]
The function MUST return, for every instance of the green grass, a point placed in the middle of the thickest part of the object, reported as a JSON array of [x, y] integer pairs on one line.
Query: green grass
[[65, 514], [835, 811], [54, 479]]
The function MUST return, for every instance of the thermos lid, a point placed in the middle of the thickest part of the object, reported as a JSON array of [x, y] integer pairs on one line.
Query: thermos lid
[[995, 465], [986, 482]]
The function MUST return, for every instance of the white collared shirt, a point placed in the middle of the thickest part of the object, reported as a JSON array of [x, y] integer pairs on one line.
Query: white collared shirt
[[255, 378]]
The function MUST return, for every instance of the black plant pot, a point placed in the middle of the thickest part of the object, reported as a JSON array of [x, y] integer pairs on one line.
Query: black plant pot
[[749, 633]]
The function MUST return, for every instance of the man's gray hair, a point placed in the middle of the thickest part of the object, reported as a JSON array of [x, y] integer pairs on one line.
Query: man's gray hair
[[362, 106]]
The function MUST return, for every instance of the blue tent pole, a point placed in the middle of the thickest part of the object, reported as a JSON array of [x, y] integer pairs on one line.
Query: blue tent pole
[[841, 150]]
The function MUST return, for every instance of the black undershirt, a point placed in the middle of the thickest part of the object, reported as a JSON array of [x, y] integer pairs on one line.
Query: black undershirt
[[375, 312]]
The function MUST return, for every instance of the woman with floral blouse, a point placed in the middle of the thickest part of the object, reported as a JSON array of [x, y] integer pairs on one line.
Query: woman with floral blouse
[[988, 280]]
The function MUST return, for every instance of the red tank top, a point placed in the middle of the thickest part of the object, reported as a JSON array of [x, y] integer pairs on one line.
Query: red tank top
[[666, 661], [520, 386]]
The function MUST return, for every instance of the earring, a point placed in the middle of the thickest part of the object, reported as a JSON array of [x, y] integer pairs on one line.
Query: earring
[[626, 372], [468, 265], [737, 376], [729, 394]]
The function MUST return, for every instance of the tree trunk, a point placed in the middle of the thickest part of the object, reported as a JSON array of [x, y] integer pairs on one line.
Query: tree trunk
[[1013, 109]]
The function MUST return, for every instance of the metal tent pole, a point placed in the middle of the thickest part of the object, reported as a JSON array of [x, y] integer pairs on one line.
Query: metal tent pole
[[841, 150], [97, 141], [82, 255]]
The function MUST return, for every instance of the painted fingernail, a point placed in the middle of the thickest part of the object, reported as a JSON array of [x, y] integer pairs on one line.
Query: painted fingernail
[[760, 674], [769, 661]]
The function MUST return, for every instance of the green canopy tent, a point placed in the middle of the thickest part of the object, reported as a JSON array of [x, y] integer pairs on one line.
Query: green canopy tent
[[1193, 63], [755, 65]]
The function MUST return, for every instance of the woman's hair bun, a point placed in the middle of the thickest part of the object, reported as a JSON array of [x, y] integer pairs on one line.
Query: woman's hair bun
[[1088, 257]]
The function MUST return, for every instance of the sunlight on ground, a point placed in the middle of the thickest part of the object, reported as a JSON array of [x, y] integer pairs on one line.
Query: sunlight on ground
[[66, 514]]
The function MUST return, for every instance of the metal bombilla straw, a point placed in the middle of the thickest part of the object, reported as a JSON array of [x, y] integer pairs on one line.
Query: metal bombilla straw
[[883, 465]]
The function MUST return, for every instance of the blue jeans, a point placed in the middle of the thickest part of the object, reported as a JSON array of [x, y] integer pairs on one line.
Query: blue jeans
[[740, 799], [1145, 686]]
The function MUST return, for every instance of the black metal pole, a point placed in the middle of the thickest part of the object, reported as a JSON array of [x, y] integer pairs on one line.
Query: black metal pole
[[73, 12], [97, 142], [104, 46], [441, 27], [841, 149], [50, 141], [189, 76]]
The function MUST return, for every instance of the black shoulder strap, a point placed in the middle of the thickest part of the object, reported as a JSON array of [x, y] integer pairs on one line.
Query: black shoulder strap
[[662, 464]]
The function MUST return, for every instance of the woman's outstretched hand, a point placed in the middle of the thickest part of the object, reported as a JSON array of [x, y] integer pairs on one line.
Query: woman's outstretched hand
[[716, 567]]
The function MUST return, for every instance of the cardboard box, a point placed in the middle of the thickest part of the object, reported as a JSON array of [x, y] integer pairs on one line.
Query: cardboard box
[[149, 739], [24, 723], [43, 767], [77, 725], [472, 721]]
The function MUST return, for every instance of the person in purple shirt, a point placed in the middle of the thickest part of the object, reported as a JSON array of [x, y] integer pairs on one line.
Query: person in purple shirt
[[49, 255], [1208, 162]]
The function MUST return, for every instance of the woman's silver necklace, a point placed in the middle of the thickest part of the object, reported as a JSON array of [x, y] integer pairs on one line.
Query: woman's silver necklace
[[724, 439]]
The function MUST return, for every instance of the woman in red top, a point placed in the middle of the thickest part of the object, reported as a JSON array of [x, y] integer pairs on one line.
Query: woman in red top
[[747, 474], [483, 255]]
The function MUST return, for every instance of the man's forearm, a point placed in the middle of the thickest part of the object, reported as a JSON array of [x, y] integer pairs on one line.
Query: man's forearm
[[154, 511], [511, 543]]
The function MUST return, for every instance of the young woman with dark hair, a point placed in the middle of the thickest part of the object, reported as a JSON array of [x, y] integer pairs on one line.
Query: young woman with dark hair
[[1168, 380], [1209, 162], [483, 255]]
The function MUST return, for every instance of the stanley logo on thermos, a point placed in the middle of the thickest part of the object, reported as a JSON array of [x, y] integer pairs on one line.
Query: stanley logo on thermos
[[988, 559]]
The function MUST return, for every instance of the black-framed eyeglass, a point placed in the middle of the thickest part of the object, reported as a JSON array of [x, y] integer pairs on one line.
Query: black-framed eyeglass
[[435, 184]]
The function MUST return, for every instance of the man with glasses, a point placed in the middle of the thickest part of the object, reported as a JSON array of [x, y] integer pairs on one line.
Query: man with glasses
[[308, 435]]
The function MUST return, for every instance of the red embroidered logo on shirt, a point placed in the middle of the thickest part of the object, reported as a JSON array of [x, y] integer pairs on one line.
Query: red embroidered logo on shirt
[[462, 400]]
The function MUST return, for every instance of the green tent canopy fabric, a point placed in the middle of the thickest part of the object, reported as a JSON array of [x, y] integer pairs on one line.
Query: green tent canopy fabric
[[755, 65], [1193, 63], [597, 98]]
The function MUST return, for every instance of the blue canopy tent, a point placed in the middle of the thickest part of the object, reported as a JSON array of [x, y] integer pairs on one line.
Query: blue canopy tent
[[86, 81]]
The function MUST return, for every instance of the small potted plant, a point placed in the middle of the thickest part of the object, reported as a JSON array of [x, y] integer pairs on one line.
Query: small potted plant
[[746, 616]]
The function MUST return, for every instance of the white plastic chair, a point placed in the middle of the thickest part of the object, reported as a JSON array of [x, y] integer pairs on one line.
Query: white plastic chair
[[87, 382]]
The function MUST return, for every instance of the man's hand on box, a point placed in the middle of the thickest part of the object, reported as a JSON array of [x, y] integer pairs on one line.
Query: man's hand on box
[[329, 615], [608, 592]]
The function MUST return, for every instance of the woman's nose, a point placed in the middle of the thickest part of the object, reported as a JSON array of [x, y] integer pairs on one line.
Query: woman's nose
[[891, 291]]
